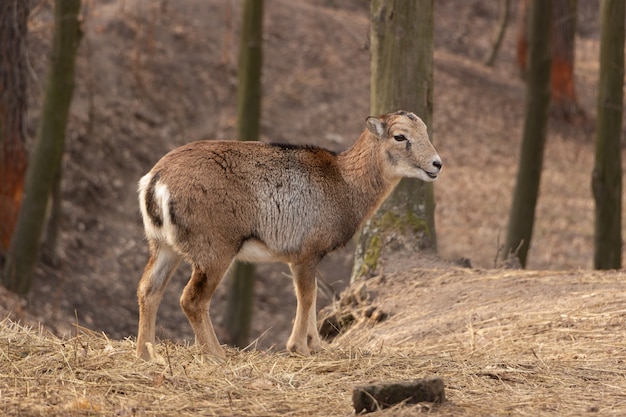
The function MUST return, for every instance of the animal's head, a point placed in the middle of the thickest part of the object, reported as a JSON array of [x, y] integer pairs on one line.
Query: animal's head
[[404, 145]]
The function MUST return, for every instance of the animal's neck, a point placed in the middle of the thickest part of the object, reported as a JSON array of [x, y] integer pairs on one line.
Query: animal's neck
[[362, 170]]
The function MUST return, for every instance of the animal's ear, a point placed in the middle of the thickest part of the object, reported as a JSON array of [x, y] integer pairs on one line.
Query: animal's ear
[[376, 126]]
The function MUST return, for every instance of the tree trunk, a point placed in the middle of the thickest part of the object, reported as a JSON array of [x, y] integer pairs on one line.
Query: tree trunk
[[241, 295], [607, 173], [401, 38], [562, 87], [13, 17], [521, 49], [503, 21], [522, 215], [46, 158]]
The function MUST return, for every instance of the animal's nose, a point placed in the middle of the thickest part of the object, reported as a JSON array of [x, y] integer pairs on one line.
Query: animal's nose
[[437, 163]]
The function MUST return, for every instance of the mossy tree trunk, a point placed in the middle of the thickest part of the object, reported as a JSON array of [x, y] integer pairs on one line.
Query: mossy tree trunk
[[401, 45], [13, 156], [46, 158], [607, 172], [241, 291], [522, 216]]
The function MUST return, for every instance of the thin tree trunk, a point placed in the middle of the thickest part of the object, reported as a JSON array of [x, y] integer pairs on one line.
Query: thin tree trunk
[[522, 216], [51, 233], [607, 173], [401, 37], [13, 156], [241, 296], [562, 86], [521, 47], [46, 157], [503, 21]]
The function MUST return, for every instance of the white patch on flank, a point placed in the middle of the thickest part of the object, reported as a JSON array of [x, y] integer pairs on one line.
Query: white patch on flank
[[151, 230]]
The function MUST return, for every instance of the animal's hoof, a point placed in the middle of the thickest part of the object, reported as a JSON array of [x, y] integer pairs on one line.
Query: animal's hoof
[[314, 344], [217, 355], [148, 354], [298, 350], [144, 351]]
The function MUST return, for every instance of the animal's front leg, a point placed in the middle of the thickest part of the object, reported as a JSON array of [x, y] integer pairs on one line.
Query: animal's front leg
[[304, 278], [313, 336]]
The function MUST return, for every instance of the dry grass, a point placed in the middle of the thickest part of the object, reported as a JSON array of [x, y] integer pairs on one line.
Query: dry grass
[[566, 357], [91, 375]]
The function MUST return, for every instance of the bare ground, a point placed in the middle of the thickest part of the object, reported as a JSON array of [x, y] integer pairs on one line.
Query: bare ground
[[154, 75]]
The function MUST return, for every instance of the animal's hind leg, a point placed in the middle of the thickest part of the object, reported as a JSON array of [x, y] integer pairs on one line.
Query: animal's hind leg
[[195, 302], [160, 268]]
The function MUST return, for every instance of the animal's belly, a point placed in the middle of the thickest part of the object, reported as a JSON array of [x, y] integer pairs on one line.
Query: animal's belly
[[257, 251]]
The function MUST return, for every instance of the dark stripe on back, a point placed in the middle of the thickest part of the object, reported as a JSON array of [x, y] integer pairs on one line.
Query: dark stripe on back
[[291, 146], [151, 205]]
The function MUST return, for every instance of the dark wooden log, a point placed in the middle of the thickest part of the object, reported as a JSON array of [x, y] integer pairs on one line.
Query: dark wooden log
[[374, 397]]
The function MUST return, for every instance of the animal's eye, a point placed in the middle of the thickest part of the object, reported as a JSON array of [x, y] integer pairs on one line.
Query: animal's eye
[[399, 138]]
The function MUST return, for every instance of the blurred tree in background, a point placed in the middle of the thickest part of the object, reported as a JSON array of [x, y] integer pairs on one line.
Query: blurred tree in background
[[564, 100], [45, 161], [241, 293], [522, 216], [13, 156], [607, 173]]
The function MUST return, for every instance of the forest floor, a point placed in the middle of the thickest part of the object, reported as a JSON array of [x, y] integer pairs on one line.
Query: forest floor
[[154, 75], [504, 342]]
